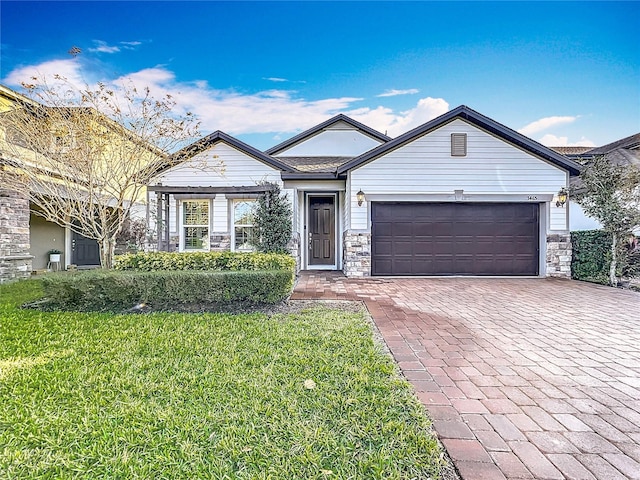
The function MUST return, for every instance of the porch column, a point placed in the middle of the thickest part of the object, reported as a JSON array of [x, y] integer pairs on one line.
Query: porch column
[[159, 220]]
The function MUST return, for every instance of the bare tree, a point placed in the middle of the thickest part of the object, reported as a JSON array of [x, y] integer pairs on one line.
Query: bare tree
[[610, 193], [83, 156]]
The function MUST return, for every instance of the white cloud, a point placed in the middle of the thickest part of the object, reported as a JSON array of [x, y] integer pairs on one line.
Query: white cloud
[[275, 79], [546, 123], [551, 140], [103, 47], [274, 111], [393, 123], [131, 44], [393, 92], [68, 69]]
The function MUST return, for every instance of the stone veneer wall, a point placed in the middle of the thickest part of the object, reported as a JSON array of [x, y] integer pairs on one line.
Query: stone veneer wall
[[15, 259], [219, 242], [356, 258], [559, 255]]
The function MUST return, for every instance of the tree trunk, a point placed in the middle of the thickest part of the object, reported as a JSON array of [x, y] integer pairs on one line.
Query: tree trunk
[[613, 279], [107, 250]]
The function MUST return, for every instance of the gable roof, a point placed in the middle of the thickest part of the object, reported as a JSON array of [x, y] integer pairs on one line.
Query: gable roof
[[321, 126], [327, 164], [473, 118], [571, 151], [630, 142], [216, 137]]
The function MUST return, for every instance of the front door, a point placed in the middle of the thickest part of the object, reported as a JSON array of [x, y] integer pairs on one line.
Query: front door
[[85, 251], [322, 231]]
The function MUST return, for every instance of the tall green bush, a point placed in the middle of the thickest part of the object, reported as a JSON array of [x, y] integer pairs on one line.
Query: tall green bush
[[591, 256], [272, 221]]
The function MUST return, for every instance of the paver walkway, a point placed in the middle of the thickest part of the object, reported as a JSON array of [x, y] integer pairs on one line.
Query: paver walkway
[[524, 378]]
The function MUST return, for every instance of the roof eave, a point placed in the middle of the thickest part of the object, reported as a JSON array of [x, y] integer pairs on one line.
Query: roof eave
[[214, 138], [311, 176]]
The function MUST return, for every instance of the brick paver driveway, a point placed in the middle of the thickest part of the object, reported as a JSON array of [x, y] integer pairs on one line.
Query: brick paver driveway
[[524, 378]]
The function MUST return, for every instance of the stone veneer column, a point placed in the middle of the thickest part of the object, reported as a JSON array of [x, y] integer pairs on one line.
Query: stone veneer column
[[294, 249], [356, 258], [559, 255], [15, 259]]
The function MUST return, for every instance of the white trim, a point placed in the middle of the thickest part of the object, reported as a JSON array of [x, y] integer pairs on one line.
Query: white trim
[[232, 222], [315, 185], [543, 221], [464, 197], [337, 232], [181, 225], [68, 245]]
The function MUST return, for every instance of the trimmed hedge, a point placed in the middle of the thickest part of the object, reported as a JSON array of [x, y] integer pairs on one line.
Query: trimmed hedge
[[591, 255], [220, 261], [108, 290]]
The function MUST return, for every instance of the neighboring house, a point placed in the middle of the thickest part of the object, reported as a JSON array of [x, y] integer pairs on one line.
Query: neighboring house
[[26, 237], [623, 152], [459, 195]]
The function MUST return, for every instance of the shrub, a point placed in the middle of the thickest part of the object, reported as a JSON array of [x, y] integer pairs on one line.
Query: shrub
[[591, 255], [108, 290], [211, 261], [272, 217]]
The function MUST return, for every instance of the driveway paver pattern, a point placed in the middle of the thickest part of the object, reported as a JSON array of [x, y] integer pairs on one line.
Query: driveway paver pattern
[[523, 378]]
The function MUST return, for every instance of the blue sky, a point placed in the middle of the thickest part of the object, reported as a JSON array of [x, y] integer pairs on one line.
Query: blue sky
[[563, 73]]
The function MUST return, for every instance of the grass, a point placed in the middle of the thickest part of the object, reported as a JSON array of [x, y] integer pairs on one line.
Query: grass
[[213, 396]]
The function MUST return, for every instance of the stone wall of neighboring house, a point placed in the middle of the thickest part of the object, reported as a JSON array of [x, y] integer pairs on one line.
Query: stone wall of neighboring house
[[559, 255], [15, 259], [356, 259]]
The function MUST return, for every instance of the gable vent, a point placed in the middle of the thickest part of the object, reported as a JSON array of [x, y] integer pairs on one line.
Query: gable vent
[[458, 144]]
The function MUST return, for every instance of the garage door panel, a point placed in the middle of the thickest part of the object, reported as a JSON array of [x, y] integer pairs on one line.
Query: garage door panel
[[384, 247], [384, 228], [403, 248], [454, 239]]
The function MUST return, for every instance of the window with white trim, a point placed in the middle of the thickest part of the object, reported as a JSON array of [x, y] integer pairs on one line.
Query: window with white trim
[[243, 229], [195, 224]]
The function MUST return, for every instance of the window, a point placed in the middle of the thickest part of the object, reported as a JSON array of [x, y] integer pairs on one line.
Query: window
[[242, 225], [195, 224], [458, 144], [16, 137], [62, 140]]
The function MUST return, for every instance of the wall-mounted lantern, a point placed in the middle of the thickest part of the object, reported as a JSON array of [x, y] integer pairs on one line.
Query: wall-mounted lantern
[[360, 197], [562, 197]]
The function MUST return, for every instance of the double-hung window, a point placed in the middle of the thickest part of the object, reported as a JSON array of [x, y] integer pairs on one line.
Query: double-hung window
[[195, 224], [243, 229]]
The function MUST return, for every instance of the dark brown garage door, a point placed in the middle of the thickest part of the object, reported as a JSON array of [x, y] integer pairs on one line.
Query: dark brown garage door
[[455, 239]]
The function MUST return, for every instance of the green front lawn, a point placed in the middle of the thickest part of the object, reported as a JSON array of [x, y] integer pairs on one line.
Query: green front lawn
[[299, 395]]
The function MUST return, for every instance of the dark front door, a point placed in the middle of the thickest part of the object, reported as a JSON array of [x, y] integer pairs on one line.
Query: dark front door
[[85, 251], [322, 233], [455, 238]]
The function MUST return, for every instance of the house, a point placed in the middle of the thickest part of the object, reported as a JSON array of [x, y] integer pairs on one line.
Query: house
[[624, 152], [460, 195], [27, 233]]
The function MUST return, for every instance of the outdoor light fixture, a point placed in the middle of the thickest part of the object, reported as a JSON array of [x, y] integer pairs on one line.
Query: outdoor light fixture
[[360, 197], [562, 197]]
